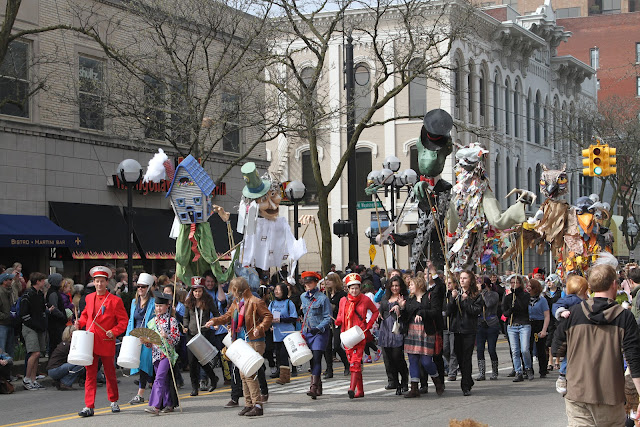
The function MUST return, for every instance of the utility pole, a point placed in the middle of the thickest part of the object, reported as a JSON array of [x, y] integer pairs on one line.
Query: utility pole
[[351, 164]]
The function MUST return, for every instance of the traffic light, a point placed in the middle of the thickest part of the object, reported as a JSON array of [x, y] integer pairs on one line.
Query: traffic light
[[599, 160], [609, 161]]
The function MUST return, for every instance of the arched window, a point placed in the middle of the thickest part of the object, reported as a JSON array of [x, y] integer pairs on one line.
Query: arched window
[[529, 180], [529, 116], [496, 176], [516, 110], [507, 110], [536, 118], [545, 122], [556, 124], [537, 183], [417, 90], [517, 173], [362, 92], [311, 194], [470, 90], [496, 95], [482, 97], [363, 162], [457, 89], [508, 169]]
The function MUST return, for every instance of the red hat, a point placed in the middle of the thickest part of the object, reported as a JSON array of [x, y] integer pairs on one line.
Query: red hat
[[100, 271], [352, 279], [539, 270], [196, 282], [310, 276]]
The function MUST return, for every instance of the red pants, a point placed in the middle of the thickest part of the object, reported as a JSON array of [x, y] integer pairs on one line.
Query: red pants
[[90, 382], [354, 355]]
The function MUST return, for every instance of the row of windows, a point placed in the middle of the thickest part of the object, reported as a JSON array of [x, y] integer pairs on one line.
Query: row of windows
[[159, 96]]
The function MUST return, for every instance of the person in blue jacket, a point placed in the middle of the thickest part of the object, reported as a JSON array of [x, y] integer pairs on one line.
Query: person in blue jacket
[[142, 310], [316, 309], [285, 317]]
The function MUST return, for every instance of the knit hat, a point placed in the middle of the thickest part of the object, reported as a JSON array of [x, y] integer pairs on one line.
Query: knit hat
[[6, 276], [55, 280]]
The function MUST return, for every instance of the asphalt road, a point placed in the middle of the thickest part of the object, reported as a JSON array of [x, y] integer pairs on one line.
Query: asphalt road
[[496, 403]]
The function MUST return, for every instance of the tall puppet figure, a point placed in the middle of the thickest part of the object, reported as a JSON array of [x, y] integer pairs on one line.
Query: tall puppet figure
[[105, 316]]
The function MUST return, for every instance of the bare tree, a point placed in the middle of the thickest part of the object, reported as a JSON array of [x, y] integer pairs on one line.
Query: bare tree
[[404, 39]]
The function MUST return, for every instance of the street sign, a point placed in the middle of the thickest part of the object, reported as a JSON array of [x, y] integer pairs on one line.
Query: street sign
[[368, 205], [372, 253]]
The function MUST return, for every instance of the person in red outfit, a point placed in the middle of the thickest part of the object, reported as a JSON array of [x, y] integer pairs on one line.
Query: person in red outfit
[[105, 316], [353, 312]]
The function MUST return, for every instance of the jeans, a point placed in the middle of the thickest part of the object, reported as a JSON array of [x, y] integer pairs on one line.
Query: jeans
[[415, 360], [66, 373], [563, 366], [489, 335], [519, 337], [448, 353], [7, 339]]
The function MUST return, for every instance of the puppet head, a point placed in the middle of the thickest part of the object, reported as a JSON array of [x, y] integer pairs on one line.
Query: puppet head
[[554, 183], [268, 205], [470, 157], [435, 142]]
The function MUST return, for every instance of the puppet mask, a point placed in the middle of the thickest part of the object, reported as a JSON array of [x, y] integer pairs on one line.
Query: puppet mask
[[269, 203]]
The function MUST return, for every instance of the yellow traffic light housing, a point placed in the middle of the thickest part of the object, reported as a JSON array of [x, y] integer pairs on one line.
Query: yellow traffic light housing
[[609, 166], [599, 160]]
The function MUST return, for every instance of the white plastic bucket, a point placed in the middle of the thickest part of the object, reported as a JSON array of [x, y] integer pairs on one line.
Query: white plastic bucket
[[227, 340], [81, 348], [351, 337], [130, 352], [202, 349], [297, 348], [244, 357]]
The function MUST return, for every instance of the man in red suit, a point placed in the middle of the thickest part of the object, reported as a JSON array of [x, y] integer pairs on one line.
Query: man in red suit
[[105, 316]]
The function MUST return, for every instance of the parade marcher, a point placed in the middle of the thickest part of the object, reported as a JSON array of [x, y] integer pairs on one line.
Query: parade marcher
[[249, 318], [515, 307], [200, 308], [316, 324], [436, 291], [213, 288], [335, 292], [448, 336], [284, 319], [353, 312], [539, 318], [105, 316], [142, 310], [34, 327], [163, 396], [553, 292], [488, 330], [62, 372], [57, 318], [392, 343], [465, 307]]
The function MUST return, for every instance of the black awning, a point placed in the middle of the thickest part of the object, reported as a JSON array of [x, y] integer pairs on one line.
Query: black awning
[[27, 231], [220, 233], [103, 227], [151, 228]]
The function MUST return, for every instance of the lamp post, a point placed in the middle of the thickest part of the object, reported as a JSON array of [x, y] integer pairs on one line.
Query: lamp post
[[295, 192], [632, 230], [129, 172], [393, 181]]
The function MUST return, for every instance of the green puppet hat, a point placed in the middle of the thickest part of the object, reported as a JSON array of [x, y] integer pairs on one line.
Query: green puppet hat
[[255, 187]]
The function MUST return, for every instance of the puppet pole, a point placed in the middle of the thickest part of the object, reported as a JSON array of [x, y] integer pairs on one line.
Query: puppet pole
[[436, 220], [227, 253], [173, 375], [384, 253]]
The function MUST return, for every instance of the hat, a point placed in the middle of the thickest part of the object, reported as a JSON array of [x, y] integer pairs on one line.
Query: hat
[[538, 270], [310, 276], [196, 282], [55, 279], [68, 313], [436, 126], [145, 279], [100, 271], [255, 187], [352, 279], [6, 276], [162, 298], [553, 278]]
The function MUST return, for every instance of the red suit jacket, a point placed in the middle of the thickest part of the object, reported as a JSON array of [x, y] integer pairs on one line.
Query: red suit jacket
[[113, 318], [364, 305]]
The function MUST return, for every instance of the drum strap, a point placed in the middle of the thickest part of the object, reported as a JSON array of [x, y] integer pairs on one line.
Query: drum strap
[[99, 310]]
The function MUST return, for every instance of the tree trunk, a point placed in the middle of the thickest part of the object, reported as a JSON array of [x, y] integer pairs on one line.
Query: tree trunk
[[325, 229]]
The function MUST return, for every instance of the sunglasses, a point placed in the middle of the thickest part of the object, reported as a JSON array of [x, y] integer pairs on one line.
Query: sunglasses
[[143, 286]]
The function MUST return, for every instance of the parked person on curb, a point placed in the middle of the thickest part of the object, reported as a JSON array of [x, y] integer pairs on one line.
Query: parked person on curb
[[105, 316], [515, 307], [34, 327], [6, 362], [57, 316], [335, 292], [392, 342], [539, 319], [142, 311], [488, 330], [447, 335], [284, 318], [63, 373], [465, 307]]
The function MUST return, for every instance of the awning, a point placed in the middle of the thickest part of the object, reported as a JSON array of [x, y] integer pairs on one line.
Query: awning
[[26, 231], [103, 227], [219, 230], [151, 229]]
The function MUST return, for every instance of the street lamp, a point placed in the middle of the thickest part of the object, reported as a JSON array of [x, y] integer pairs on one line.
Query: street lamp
[[129, 172], [632, 230], [295, 192]]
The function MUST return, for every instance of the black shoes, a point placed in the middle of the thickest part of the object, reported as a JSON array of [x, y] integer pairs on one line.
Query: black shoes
[[194, 392], [466, 392], [518, 378]]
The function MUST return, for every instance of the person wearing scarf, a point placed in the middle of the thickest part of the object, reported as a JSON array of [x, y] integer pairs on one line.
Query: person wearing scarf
[[539, 318], [163, 395], [283, 323], [353, 312], [249, 318], [315, 326]]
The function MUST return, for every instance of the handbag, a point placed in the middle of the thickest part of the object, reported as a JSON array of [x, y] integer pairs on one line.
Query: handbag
[[397, 328]]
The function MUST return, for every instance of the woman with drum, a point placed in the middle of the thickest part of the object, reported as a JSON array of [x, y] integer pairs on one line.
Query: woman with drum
[[284, 318], [316, 325], [353, 312], [199, 309], [142, 311]]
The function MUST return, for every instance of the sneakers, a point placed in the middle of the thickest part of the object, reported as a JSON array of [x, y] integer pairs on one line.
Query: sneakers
[[204, 385], [366, 359], [137, 399], [86, 412], [561, 385], [32, 385], [152, 410], [378, 355], [232, 404], [40, 377], [114, 407]]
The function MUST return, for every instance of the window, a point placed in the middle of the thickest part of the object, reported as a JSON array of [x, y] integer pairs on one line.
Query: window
[[610, 6], [413, 158], [536, 119], [197, 201], [231, 126], [154, 95], [529, 180], [568, 12], [90, 81], [598, 84], [417, 91], [637, 52], [180, 202], [482, 97], [362, 93], [637, 86], [517, 173], [516, 111], [180, 124], [470, 96], [311, 195], [496, 94], [594, 54], [508, 170], [537, 183], [496, 177], [556, 124], [528, 107], [507, 110], [14, 80], [363, 167], [545, 124], [585, 184], [457, 90]]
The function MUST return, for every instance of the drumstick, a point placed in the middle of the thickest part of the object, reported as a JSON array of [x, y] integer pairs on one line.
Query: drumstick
[[98, 325]]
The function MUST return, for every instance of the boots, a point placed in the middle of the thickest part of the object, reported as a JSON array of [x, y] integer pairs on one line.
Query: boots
[[494, 369], [359, 386], [482, 370], [439, 383], [328, 373], [313, 388], [530, 374], [319, 387], [285, 375], [352, 385], [414, 391]]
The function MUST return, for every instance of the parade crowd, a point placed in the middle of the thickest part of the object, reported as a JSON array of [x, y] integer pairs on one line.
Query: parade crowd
[[426, 326]]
